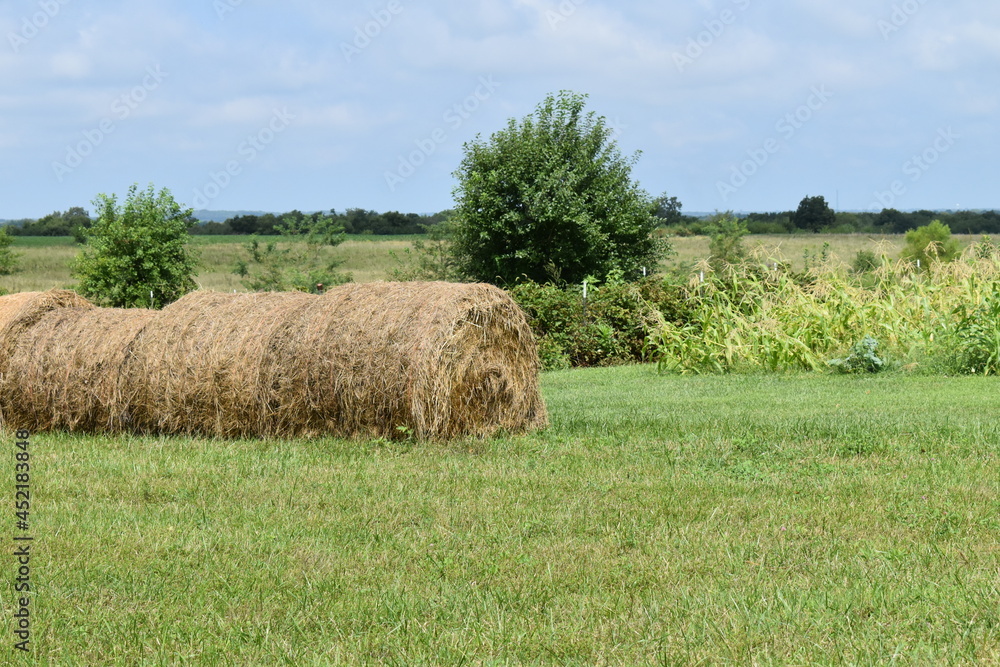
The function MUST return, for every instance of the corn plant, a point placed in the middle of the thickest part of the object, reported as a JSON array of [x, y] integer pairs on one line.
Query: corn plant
[[750, 317]]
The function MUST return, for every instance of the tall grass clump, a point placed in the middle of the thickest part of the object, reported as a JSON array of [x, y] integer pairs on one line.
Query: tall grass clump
[[760, 316]]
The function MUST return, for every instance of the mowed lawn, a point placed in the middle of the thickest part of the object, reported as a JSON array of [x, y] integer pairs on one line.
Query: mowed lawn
[[746, 519]]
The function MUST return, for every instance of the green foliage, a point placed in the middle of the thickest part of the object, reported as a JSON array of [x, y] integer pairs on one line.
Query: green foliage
[[8, 258], [668, 210], [610, 327], [975, 341], [550, 197], [431, 257], [746, 318], [353, 220], [862, 358], [814, 214], [726, 245], [136, 254], [816, 260], [932, 242], [301, 262], [69, 223], [865, 261]]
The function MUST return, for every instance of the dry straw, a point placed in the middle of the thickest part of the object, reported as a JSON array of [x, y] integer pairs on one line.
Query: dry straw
[[431, 360], [67, 371], [19, 312]]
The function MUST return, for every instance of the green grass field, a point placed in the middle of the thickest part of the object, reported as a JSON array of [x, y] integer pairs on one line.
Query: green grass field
[[729, 519], [45, 260]]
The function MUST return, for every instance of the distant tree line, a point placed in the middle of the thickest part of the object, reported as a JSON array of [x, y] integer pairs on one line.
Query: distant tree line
[[67, 223], [815, 215], [353, 220]]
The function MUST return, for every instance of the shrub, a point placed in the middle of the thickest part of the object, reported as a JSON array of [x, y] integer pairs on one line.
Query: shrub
[[136, 253], [726, 245], [932, 242], [610, 328], [865, 261]]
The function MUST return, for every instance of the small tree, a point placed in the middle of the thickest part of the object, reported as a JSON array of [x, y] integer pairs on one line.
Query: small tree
[[726, 245], [551, 197], [300, 263], [431, 257], [814, 214], [930, 242], [136, 254], [8, 258]]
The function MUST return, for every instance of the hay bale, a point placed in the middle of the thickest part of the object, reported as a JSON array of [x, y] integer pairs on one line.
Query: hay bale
[[438, 359], [19, 312], [68, 370]]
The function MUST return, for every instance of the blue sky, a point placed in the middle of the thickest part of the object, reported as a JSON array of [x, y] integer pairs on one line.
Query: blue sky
[[735, 104]]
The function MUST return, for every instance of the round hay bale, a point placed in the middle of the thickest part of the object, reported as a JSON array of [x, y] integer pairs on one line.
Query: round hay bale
[[18, 314], [67, 370], [434, 360], [207, 364]]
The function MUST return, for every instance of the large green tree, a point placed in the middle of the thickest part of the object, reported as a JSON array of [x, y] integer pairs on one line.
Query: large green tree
[[814, 214], [136, 253], [550, 197]]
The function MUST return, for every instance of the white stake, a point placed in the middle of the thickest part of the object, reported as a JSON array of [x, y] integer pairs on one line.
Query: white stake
[[584, 290]]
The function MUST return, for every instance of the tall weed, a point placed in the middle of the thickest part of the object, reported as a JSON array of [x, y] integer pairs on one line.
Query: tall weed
[[754, 317]]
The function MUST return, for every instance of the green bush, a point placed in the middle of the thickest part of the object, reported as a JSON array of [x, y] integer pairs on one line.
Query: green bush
[[610, 328], [136, 254], [865, 261], [932, 242]]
